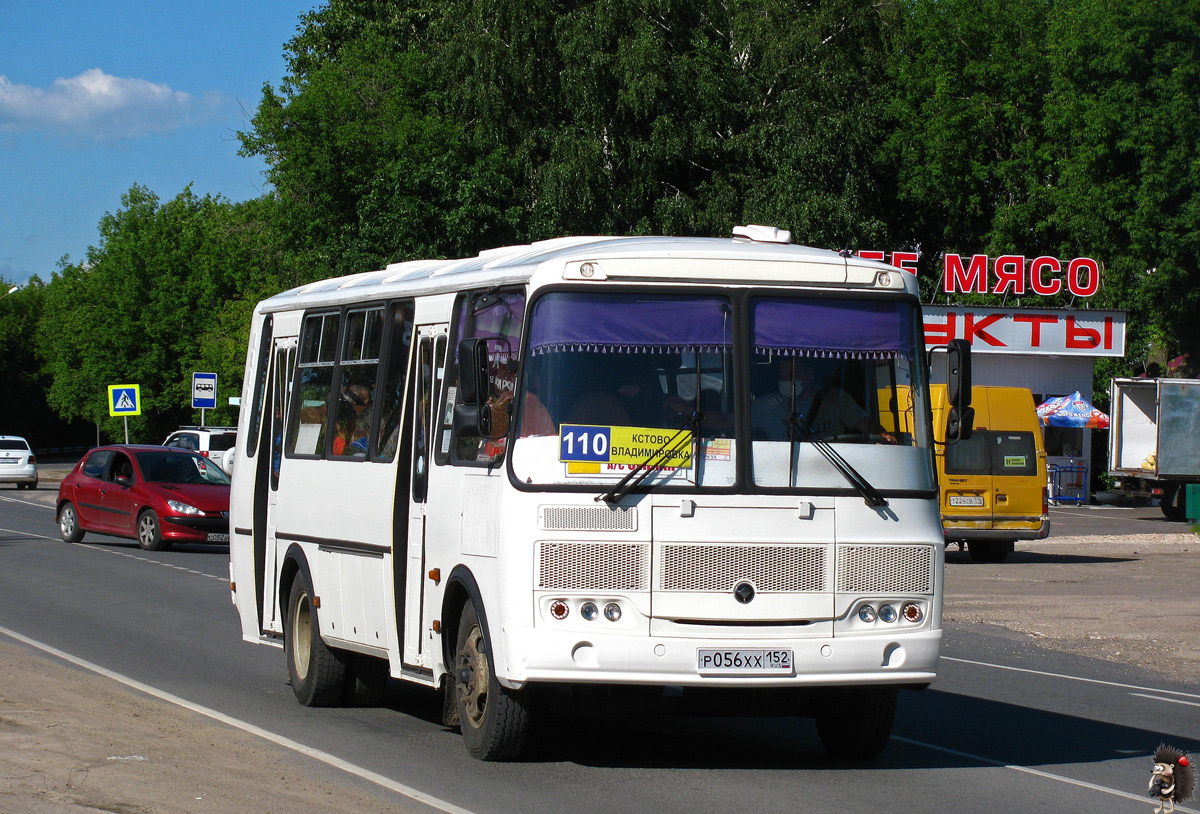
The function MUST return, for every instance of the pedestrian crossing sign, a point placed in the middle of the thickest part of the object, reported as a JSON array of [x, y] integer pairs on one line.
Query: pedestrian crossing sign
[[124, 399]]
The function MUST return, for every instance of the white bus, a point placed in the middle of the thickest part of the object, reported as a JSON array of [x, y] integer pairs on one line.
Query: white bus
[[646, 465]]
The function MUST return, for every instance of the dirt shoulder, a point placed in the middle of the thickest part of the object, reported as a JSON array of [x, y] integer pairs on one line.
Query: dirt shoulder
[[73, 742], [1130, 599]]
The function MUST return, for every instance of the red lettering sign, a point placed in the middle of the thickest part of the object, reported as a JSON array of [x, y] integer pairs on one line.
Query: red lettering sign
[[1083, 275]]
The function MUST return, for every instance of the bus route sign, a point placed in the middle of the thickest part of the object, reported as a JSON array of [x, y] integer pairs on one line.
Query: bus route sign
[[629, 446]]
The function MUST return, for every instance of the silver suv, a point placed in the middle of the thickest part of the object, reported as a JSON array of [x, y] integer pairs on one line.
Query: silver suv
[[18, 464], [211, 442]]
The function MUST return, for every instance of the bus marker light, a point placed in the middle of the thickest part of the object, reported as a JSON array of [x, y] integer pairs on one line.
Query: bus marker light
[[887, 613], [612, 611], [589, 611], [912, 612], [866, 613], [436, 575], [559, 609], [437, 625]]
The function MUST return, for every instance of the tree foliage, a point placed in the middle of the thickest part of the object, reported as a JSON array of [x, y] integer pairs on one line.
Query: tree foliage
[[408, 129], [164, 295]]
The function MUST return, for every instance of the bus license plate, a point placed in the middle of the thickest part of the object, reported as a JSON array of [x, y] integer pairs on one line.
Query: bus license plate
[[744, 662], [966, 500]]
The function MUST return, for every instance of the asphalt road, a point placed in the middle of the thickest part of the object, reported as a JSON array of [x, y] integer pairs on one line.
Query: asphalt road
[[1007, 726]]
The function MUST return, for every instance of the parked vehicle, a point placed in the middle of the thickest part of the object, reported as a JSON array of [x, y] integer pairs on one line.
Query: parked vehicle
[[18, 464], [211, 442], [155, 495], [1154, 440], [994, 483]]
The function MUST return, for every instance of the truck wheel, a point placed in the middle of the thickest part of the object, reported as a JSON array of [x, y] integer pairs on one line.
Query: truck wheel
[[856, 722], [1174, 503], [494, 720], [317, 672]]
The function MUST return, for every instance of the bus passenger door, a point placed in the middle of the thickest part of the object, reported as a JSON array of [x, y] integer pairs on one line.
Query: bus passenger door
[[283, 359], [429, 362]]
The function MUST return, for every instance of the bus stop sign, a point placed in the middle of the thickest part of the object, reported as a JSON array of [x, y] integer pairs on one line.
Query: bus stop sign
[[204, 391]]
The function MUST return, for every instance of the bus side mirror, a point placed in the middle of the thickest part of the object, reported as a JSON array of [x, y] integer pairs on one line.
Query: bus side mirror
[[472, 413], [960, 418], [473, 371], [473, 420]]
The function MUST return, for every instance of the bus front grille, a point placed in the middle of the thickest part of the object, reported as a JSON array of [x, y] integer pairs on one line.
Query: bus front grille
[[569, 566], [587, 518], [900, 569], [721, 566]]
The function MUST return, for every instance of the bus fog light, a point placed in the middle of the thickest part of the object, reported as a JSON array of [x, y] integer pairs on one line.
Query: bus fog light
[[912, 612], [887, 613], [589, 611], [559, 609], [612, 611], [866, 613]]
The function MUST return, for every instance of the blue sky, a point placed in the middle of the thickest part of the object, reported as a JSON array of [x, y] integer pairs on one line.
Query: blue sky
[[98, 96]]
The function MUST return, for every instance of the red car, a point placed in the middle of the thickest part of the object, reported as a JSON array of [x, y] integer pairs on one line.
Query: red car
[[155, 495]]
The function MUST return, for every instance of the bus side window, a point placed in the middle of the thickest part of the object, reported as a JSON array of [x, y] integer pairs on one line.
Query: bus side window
[[354, 405], [496, 316], [391, 388], [314, 381]]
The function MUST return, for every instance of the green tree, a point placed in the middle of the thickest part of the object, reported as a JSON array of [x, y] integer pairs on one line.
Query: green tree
[[166, 293]]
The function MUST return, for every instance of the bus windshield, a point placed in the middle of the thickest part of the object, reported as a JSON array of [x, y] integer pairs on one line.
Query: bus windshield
[[613, 377]]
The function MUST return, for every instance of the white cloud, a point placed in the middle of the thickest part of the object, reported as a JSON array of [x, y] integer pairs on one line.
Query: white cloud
[[98, 105]]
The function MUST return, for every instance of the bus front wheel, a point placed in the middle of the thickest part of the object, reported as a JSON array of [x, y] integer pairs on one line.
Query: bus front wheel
[[494, 720], [316, 671], [856, 722]]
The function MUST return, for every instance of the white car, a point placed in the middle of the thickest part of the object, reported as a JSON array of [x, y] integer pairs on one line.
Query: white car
[[211, 442], [18, 464]]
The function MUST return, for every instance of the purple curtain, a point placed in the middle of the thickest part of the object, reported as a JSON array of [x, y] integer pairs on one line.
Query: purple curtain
[[833, 328], [630, 323]]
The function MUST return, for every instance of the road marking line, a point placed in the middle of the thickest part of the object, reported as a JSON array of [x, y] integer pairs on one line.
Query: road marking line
[[117, 553], [1035, 772], [29, 534], [287, 743], [25, 502], [1172, 700], [1072, 678]]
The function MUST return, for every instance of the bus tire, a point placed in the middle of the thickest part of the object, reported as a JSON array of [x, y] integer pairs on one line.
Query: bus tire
[[149, 532], [856, 722], [68, 524], [494, 720], [317, 672]]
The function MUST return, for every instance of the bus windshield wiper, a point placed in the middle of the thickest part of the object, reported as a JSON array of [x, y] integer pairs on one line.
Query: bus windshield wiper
[[861, 485], [664, 453]]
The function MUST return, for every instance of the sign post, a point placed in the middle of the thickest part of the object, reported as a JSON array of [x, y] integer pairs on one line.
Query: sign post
[[204, 393], [124, 400]]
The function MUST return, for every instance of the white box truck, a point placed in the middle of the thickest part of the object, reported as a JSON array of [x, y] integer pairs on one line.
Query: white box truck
[[1154, 440]]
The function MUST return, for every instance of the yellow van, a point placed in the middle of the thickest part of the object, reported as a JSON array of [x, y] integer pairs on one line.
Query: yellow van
[[993, 484]]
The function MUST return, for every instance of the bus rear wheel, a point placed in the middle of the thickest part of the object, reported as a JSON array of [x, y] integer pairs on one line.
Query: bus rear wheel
[[317, 672], [494, 720], [856, 722]]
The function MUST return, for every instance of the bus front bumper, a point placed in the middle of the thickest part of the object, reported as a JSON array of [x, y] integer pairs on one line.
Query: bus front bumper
[[569, 657]]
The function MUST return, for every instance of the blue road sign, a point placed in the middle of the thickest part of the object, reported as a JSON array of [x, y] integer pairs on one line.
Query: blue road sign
[[204, 391], [124, 399]]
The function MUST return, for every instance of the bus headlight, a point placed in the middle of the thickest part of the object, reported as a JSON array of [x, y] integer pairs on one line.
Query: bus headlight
[[867, 614], [612, 612], [589, 611], [887, 614]]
